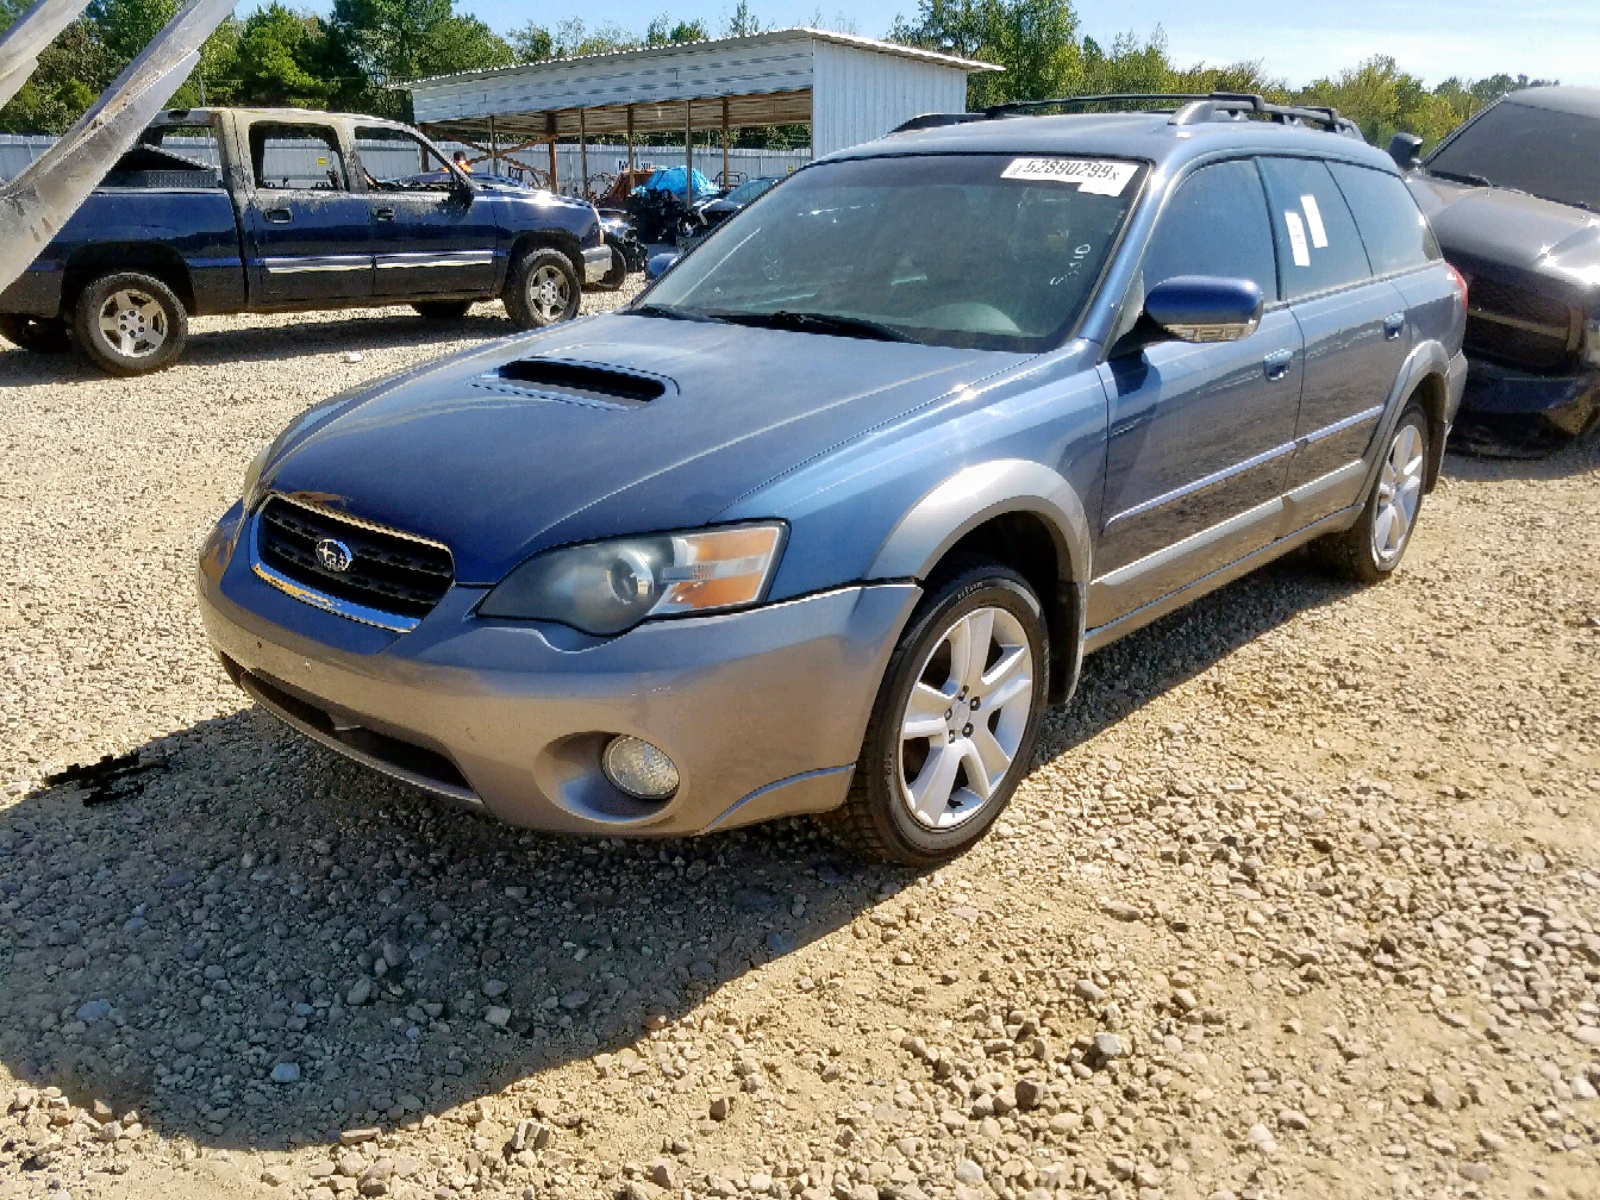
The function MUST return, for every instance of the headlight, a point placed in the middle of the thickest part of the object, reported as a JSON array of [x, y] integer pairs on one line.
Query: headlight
[[607, 587], [252, 474]]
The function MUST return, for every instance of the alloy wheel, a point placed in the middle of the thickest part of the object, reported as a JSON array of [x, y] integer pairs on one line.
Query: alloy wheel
[[548, 293], [134, 323], [965, 718], [1399, 494]]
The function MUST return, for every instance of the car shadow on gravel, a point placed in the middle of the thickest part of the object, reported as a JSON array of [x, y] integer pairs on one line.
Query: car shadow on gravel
[[1484, 450], [258, 944]]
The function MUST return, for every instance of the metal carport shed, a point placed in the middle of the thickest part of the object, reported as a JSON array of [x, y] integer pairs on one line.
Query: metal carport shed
[[848, 89]]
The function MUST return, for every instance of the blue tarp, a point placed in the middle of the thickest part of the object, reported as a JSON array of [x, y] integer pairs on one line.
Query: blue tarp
[[670, 179]]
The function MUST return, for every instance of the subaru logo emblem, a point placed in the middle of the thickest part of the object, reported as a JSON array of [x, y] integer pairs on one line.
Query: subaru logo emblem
[[334, 555]]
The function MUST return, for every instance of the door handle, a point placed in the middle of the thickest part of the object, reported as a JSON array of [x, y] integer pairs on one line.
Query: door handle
[[278, 216], [1278, 364], [383, 214], [1394, 325]]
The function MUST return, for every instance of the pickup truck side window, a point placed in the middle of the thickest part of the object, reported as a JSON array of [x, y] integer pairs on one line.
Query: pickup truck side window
[[296, 158], [1216, 224], [395, 161], [1318, 246], [1391, 224]]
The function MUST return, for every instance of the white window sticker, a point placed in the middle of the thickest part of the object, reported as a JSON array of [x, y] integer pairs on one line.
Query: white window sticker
[[1319, 233], [1093, 176], [1297, 239]]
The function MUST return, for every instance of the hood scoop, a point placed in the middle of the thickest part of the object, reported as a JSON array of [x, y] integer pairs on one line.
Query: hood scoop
[[589, 384]]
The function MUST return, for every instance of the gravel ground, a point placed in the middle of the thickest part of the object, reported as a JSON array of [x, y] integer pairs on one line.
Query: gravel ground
[[1303, 898]]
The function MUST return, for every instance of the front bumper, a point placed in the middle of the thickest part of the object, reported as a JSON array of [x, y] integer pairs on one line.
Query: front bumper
[[1493, 388], [763, 711], [596, 262]]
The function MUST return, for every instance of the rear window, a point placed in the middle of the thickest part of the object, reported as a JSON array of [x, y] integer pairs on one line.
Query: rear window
[[1392, 226], [1318, 246]]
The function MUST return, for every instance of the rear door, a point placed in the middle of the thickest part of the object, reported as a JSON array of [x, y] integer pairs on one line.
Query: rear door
[[309, 234], [1355, 327], [431, 233], [1200, 434]]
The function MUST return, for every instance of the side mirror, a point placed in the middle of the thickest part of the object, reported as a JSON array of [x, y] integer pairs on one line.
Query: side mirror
[[660, 264], [1201, 308], [1406, 150]]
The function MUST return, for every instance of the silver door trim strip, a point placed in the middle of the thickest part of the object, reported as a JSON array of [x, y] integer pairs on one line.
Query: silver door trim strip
[[1360, 418], [1211, 480], [456, 258], [316, 264], [1237, 523]]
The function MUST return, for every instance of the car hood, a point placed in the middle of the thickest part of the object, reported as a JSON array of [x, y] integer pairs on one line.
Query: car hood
[[1506, 228], [497, 469]]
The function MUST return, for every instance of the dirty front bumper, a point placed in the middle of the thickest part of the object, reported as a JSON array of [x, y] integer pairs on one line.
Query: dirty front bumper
[[1492, 388], [596, 262], [762, 711]]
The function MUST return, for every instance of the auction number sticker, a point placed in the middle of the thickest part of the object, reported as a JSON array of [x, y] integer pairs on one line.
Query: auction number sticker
[[1095, 176]]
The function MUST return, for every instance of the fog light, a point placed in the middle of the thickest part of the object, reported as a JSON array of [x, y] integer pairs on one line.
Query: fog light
[[634, 766]]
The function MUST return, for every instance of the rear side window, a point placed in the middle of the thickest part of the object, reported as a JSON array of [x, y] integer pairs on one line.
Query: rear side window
[[1392, 226], [297, 158], [1318, 246], [1215, 224]]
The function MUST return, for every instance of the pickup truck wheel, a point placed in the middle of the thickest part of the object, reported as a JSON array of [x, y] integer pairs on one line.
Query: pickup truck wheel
[[130, 324], [42, 335], [1371, 549], [543, 289], [442, 310], [955, 722]]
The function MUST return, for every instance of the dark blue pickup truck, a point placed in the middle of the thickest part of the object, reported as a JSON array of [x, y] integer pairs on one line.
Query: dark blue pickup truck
[[272, 210]]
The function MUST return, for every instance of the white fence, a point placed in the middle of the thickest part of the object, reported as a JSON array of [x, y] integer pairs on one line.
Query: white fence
[[387, 160]]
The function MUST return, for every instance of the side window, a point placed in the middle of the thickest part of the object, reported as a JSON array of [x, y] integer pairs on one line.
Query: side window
[[395, 160], [1392, 226], [1216, 224], [1318, 246], [297, 158]]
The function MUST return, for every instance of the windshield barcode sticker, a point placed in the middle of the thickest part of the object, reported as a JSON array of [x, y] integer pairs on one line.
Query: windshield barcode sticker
[[1095, 176]]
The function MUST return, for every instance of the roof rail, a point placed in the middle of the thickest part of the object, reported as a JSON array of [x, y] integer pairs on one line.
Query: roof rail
[[935, 121], [39, 201], [1193, 108]]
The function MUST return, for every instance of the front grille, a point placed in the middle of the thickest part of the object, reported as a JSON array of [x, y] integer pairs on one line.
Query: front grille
[[390, 572], [1517, 325]]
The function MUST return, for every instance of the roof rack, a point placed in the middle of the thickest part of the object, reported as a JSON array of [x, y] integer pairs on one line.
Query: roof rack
[[1187, 108]]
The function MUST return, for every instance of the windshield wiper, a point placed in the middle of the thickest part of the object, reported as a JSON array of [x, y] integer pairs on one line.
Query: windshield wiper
[[672, 313], [1465, 177], [815, 322]]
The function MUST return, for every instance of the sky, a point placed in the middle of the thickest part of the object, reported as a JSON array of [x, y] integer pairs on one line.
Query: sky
[[1297, 41]]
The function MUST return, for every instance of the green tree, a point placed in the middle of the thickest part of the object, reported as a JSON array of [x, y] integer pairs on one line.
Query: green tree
[[1034, 40], [742, 22], [279, 58], [376, 46], [664, 31]]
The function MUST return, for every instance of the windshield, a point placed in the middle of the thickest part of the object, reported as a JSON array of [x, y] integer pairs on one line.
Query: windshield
[[1547, 153], [749, 190], [984, 251]]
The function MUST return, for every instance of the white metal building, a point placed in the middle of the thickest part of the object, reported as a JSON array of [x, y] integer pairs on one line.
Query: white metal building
[[848, 89]]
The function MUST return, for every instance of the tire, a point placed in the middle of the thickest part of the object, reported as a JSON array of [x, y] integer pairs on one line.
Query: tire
[[616, 274], [1371, 549], [128, 323], [442, 310], [41, 335], [543, 289], [887, 816]]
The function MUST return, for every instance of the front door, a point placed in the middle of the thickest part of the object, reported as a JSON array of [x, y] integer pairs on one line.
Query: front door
[[1354, 327], [1200, 435], [432, 234], [309, 234]]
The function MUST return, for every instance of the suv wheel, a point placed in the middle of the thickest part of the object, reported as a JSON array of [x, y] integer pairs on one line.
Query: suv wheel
[[1371, 549], [543, 289], [42, 335], [956, 719], [130, 324]]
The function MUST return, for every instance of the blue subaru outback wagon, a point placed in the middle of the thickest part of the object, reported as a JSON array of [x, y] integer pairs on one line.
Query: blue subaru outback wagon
[[824, 521]]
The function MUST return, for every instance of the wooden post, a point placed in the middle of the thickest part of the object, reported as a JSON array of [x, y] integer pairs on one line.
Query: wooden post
[[583, 156], [688, 154], [724, 141], [630, 140], [550, 129]]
